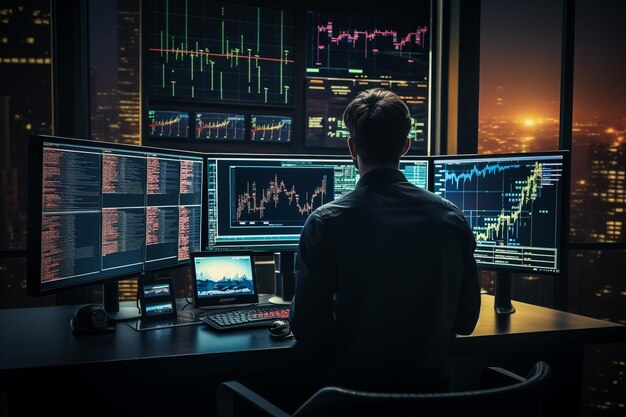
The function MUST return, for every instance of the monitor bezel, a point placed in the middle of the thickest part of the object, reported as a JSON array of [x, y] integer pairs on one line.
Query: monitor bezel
[[562, 226], [233, 300], [34, 209]]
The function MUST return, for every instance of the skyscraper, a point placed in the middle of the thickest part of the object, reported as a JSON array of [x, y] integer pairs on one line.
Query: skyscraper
[[607, 191], [128, 71]]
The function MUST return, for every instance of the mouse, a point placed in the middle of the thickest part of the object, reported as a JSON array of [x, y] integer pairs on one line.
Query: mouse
[[279, 329]]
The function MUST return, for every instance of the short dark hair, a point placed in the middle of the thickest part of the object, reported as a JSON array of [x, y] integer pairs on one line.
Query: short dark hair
[[379, 122]]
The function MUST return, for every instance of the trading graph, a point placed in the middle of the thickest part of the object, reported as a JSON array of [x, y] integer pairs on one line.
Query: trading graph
[[374, 46], [347, 54], [216, 51], [511, 204], [277, 196], [168, 124], [270, 128], [220, 126]]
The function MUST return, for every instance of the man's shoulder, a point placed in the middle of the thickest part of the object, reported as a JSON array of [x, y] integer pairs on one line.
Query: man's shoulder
[[327, 211]]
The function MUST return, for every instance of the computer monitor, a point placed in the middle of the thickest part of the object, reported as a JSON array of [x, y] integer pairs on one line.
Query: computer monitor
[[100, 212], [358, 49], [516, 206], [260, 203], [168, 124], [210, 51]]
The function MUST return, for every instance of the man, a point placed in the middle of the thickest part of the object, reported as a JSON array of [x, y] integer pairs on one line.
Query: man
[[385, 275]]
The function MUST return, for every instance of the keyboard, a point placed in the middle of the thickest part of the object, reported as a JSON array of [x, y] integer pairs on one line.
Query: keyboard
[[259, 315]]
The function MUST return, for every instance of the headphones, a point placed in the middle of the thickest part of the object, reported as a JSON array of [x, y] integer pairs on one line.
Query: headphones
[[91, 319]]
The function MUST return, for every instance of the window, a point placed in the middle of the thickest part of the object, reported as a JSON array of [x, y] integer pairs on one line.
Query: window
[[25, 64], [114, 64], [114, 61], [598, 207], [520, 68], [25, 60]]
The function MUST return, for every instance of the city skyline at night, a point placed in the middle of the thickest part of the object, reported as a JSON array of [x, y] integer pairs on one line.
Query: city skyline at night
[[519, 111]]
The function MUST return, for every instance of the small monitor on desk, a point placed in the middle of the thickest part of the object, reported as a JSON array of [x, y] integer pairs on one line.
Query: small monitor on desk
[[223, 278]]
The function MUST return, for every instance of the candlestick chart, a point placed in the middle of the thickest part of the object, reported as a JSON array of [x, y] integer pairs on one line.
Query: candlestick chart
[[213, 51], [278, 196]]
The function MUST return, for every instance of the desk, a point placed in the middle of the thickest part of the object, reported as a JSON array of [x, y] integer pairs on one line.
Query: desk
[[38, 352]]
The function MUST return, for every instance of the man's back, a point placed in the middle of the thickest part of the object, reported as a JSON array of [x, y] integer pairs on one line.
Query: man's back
[[385, 276]]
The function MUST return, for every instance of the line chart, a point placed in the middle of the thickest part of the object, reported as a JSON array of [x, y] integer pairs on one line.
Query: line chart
[[168, 124], [511, 204], [270, 128], [220, 126]]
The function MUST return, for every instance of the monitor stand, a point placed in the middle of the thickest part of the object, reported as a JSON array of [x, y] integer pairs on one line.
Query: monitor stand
[[502, 303], [284, 277], [112, 304]]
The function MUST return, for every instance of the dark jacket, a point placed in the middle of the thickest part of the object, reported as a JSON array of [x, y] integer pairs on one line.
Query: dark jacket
[[385, 276]]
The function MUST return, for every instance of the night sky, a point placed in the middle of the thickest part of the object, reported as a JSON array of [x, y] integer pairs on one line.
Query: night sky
[[521, 51]]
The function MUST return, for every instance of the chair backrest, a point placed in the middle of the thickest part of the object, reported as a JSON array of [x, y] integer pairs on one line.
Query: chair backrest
[[518, 399]]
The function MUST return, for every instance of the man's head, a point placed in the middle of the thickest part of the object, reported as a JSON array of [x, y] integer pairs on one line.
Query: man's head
[[379, 124]]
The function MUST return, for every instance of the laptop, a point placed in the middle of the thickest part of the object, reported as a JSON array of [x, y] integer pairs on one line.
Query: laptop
[[228, 280], [223, 279]]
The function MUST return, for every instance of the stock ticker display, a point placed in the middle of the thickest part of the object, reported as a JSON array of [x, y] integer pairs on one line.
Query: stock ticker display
[[262, 204], [107, 212], [512, 204], [219, 51], [347, 54], [270, 128], [168, 124], [220, 126]]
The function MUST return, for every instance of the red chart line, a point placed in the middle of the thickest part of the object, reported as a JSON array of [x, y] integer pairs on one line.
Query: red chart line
[[183, 51]]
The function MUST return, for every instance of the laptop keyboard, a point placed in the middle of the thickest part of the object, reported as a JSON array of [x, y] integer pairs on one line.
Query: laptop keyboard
[[260, 315]]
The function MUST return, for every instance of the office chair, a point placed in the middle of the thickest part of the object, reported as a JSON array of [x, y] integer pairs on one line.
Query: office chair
[[502, 393]]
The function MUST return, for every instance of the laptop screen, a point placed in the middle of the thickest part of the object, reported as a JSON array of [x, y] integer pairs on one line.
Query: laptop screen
[[223, 278]]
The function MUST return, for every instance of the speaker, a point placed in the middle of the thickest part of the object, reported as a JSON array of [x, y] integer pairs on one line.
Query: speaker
[[284, 277]]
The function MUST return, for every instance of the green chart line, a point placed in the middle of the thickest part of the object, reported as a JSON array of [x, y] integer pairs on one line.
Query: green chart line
[[186, 35], [221, 88], [222, 30], [249, 64], [163, 75], [161, 42], [167, 29], [258, 77], [258, 28], [212, 77]]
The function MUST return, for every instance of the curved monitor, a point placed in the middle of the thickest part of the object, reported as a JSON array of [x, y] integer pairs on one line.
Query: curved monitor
[[515, 205], [100, 211], [260, 202]]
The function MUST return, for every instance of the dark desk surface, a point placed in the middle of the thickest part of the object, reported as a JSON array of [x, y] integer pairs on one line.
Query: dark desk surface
[[41, 337]]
